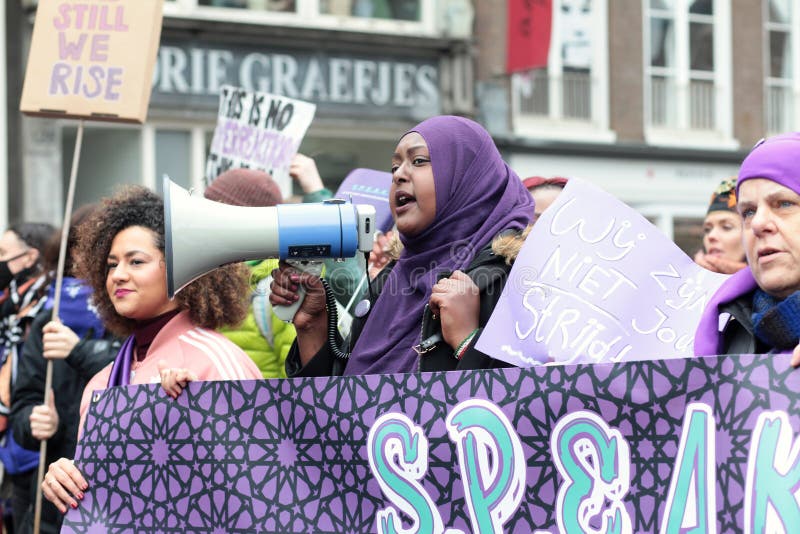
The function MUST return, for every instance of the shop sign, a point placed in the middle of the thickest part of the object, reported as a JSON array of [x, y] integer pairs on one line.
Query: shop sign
[[191, 76]]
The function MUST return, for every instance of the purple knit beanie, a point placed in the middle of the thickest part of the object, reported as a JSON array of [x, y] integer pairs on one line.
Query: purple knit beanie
[[775, 158]]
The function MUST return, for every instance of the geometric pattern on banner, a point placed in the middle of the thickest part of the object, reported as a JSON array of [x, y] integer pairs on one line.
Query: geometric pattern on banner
[[290, 455]]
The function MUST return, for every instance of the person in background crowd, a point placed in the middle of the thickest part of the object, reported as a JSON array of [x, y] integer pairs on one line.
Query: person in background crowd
[[387, 247], [80, 347], [121, 255], [23, 282], [723, 251], [757, 310], [451, 196], [303, 170], [544, 192], [262, 335]]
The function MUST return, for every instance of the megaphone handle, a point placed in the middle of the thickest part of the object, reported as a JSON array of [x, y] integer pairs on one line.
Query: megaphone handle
[[286, 313]]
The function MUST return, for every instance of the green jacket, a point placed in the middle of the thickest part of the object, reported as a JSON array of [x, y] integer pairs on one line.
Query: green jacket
[[268, 349]]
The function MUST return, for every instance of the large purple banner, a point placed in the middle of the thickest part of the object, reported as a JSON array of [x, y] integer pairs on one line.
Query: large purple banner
[[680, 445]]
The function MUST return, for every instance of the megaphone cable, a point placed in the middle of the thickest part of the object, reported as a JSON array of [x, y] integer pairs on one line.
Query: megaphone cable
[[333, 314], [333, 321]]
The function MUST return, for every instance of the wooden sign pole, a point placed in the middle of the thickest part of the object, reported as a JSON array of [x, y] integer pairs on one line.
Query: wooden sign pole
[[62, 254]]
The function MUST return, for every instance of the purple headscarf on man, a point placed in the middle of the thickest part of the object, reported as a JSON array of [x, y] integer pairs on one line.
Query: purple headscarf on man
[[477, 197]]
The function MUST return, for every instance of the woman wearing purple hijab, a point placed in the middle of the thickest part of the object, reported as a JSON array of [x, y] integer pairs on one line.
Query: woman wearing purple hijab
[[451, 196], [757, 310]]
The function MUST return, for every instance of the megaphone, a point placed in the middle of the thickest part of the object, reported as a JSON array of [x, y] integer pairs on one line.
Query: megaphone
[[201, 235]]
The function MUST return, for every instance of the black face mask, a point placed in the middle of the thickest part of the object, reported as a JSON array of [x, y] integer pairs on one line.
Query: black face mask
[[5, 272]]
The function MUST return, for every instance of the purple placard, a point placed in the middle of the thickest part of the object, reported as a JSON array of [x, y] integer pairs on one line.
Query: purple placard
[[595, 282], [367, 186], [680, 445]]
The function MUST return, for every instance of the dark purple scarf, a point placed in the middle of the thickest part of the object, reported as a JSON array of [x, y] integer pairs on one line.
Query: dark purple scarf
[[121, 369], [477, 197]]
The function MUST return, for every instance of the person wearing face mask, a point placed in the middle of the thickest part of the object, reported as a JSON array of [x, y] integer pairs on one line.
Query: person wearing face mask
[[80, 347], [23, 283], [452, 197], [757, 310], [723, 251]]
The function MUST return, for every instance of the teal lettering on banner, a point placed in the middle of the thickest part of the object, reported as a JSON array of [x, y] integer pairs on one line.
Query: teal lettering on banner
[[491, 461], [398, 456], [695, 463], [594, 461], [773, 475]]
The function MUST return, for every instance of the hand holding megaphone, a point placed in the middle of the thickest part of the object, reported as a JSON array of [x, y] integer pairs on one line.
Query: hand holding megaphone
[[298, 295]]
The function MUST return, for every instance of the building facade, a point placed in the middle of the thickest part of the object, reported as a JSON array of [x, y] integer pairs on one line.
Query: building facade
[[374, 68], [655, 101]]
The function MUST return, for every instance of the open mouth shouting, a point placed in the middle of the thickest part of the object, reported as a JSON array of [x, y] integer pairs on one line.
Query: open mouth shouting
[[403, 201]]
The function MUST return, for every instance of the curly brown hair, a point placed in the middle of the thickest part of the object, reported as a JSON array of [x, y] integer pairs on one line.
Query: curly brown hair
[[219, 298]]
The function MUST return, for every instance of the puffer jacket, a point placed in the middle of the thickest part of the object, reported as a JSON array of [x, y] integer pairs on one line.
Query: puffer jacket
[[262, 335]]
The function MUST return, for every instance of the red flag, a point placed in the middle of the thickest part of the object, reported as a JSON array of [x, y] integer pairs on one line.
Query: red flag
[[529, 23]]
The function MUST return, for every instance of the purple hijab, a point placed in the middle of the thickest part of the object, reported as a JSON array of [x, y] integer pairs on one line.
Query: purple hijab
[[477, 197]]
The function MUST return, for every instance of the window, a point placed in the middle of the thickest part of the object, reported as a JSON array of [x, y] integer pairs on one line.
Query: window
[[571, 92], [173, 154], [111, 156], [687, 233], [262, 5], [688, 65], [381, 9], [399, 17], [780, 17]]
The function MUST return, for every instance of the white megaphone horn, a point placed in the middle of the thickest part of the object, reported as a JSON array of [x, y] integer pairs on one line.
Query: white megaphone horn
[[201, 235]]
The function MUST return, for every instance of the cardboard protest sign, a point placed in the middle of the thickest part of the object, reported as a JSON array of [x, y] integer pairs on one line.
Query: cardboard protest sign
[[367, 186], [92, 59], [682, 445], [258, 131], [595, 281]]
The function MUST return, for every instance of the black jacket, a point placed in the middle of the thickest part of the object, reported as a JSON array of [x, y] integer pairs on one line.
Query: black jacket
[[738, 336], [70, 376], [489, 272]]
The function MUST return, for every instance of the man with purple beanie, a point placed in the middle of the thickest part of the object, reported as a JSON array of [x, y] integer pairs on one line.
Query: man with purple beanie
[[757, 310]]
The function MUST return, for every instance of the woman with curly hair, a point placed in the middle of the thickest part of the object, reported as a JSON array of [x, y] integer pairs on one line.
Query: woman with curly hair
[[121, 256]]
